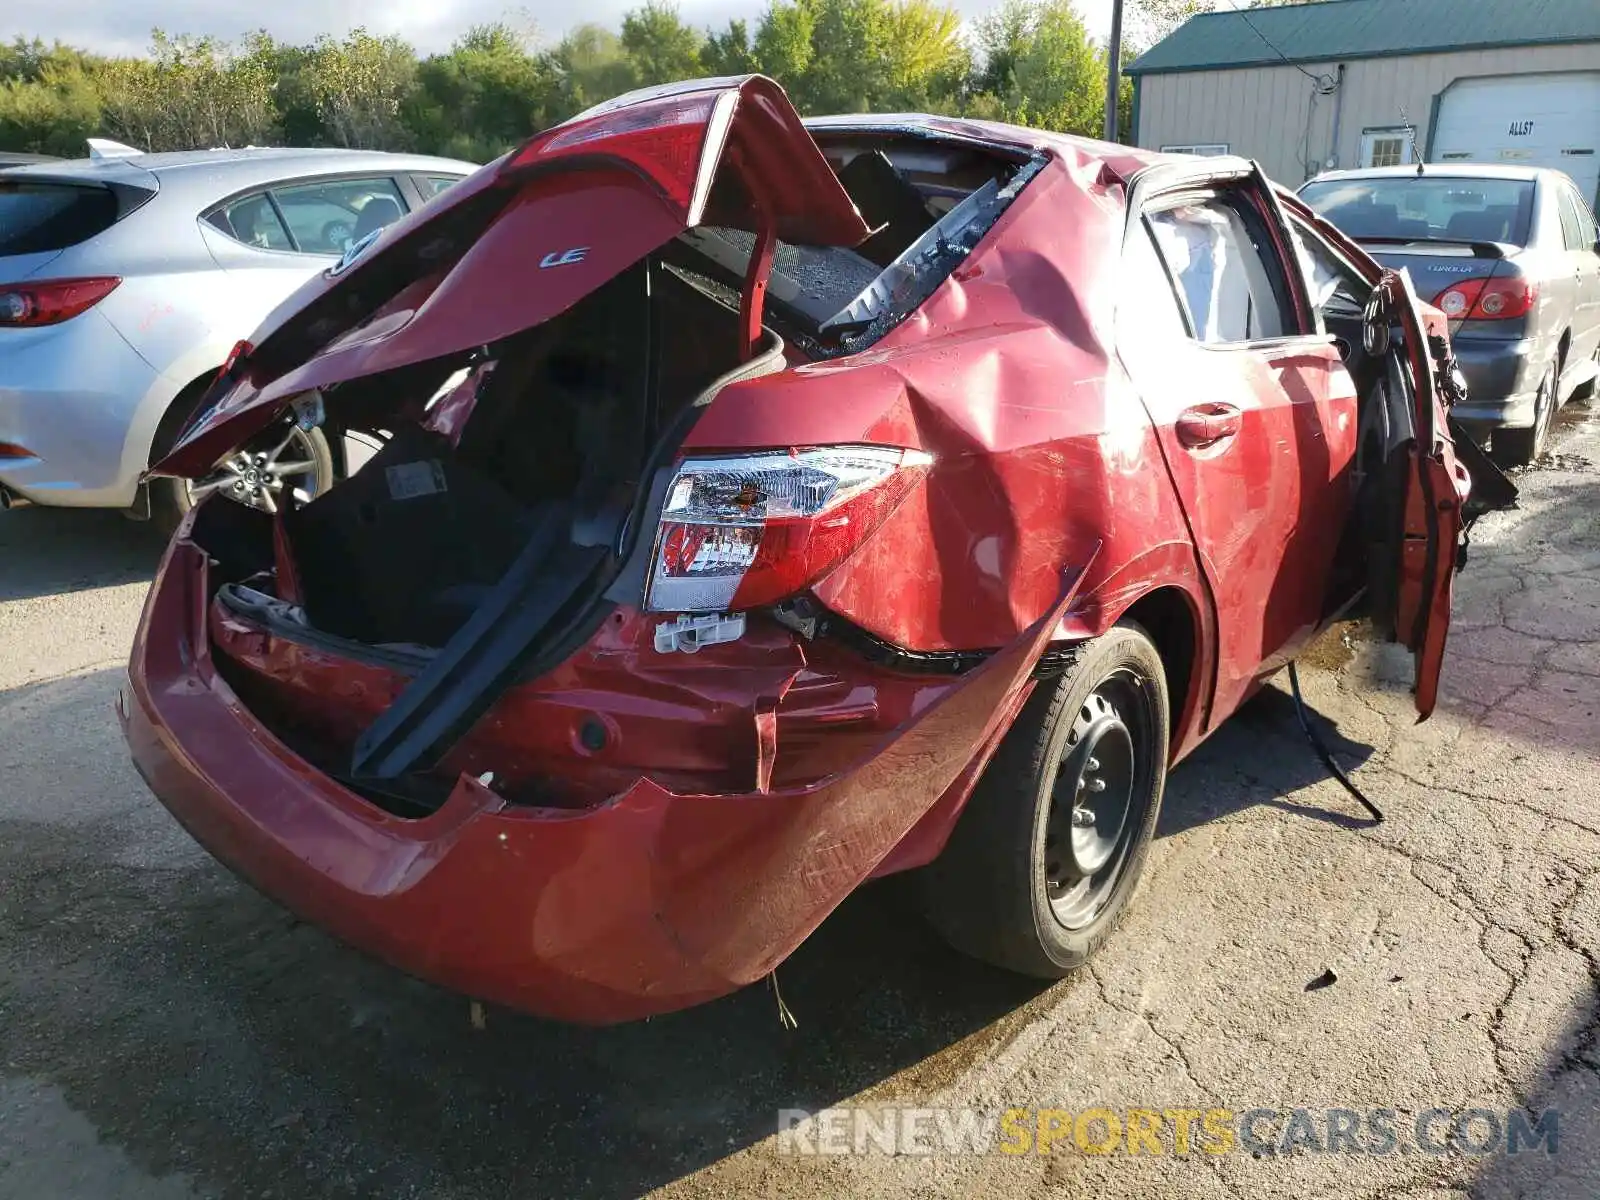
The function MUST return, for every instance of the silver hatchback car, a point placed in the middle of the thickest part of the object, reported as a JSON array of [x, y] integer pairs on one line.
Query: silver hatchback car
[[125, 281]]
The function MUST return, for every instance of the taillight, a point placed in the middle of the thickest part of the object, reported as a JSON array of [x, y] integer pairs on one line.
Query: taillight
[[1486, 299], [26, 305], [742, 532], [664, 138], [241, 351]]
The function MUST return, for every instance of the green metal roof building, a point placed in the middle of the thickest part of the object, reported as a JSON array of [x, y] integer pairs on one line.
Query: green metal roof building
[[1344, 83]]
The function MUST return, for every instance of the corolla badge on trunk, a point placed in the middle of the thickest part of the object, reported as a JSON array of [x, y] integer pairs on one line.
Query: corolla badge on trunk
[[563, 258]]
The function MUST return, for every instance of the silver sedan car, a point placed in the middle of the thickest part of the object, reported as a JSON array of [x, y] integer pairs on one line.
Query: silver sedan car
[[1511, 254], [125, 281]]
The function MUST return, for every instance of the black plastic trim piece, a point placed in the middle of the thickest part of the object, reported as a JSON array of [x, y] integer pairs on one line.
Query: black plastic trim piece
[[811, 620], [486, 654]]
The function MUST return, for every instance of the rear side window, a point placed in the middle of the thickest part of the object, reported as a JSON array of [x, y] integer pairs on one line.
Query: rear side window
[[1334, 286], [1225, 280], [323, 218], [1591, 234], [1147, 309], [432, 185], [253, 221], [36, 218], [1577, 227]]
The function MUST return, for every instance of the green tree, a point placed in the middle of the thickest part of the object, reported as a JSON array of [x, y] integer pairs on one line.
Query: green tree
[[861, 55], [590, 66], [190, 93], [1040, 68], [1003, 35], [49, 97], [729, 52], [849, 44], [783, 41], [659, 45], [359, 86], [485, 95], [51, 114], [1061, 75], [926, 62]]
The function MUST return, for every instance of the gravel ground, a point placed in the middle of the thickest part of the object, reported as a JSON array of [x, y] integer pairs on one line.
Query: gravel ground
[[167, 1033]]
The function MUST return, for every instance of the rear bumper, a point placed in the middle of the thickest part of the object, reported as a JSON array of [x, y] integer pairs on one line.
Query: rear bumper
[[71, 394], [1502, 381], [651, 902]]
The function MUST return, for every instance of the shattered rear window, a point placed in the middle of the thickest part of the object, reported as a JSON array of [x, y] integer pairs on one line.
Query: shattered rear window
[[814, 281], [842, 300]]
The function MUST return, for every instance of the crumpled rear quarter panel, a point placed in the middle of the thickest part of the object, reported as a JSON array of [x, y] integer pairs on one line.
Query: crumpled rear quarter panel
[[1008, 377]]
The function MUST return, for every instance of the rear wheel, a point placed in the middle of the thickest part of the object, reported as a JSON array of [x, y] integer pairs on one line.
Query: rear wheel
[[1519, 447], [1048, 851], [283, 465]]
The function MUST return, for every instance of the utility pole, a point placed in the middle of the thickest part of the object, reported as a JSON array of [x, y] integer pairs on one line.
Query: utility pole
[[1113, 70]]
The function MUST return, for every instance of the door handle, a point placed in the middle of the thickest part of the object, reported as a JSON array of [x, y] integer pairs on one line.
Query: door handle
[[1207, 424]]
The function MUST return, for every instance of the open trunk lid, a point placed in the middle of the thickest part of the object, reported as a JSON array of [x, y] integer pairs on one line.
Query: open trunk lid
[[530, 235]]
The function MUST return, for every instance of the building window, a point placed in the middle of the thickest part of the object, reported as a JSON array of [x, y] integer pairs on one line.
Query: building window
[[1201, 148], [1386, 148], [1387, 152]]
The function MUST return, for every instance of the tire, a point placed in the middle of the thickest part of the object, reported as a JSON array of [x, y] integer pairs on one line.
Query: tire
[[1003, 889], [1519, 447], [1590, 392], [171, 499]]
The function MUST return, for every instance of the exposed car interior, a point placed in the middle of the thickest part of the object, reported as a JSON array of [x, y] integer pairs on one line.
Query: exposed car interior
[[546, 444], [927, 202], [1385, 416]]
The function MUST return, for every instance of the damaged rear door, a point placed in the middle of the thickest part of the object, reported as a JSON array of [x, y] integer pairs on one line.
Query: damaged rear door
[[529, 236]]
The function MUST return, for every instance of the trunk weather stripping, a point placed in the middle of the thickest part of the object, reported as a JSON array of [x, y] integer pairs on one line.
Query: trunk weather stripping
[[473, 668], [558, 575]]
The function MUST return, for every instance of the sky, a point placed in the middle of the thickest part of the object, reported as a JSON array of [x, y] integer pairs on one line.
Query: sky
[[123, 26]]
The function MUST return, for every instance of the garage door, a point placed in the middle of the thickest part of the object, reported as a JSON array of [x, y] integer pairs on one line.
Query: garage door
[[1529, 120]]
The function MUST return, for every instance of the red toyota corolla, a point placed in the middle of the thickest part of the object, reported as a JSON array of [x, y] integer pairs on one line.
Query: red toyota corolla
[[766, 506]]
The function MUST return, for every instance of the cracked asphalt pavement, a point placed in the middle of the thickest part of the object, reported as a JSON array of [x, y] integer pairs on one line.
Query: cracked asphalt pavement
[[167, 1033]]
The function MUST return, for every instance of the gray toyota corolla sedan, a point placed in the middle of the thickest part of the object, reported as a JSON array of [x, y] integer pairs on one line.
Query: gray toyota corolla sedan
[[1510, 254], [125, 281]]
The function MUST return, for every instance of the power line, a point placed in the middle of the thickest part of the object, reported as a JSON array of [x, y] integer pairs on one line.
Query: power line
[[1324, 85], [1320, 80]]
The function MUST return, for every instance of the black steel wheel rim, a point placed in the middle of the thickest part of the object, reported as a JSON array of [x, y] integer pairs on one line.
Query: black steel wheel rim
[[1099, 798]]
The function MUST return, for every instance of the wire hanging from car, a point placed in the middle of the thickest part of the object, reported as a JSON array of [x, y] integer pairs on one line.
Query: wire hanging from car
[[1323, 752], [786, 1018]]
